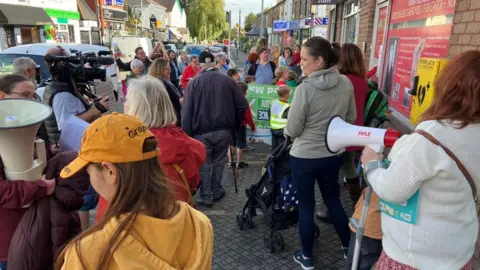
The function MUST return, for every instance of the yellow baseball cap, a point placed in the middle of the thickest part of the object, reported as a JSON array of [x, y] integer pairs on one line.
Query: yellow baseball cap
[[116, 138]]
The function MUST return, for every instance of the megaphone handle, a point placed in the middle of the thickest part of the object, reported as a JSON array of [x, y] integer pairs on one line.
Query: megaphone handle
[[41, 152], [376, 147]]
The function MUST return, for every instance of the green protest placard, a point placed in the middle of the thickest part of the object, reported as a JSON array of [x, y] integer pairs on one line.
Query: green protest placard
[[260, 97]]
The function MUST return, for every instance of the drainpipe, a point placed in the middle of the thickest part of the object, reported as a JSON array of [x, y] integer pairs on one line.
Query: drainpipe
[[336, 22]]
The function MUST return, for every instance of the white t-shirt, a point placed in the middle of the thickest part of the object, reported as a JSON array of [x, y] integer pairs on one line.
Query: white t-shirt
[[64, 105]]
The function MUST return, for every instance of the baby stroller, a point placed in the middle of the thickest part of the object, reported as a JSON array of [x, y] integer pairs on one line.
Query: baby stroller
[[273, 195]]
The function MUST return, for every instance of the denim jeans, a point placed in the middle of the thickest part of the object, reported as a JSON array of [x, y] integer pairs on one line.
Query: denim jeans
[[216, 144], [370, 251], [3, 266], [325, 172]]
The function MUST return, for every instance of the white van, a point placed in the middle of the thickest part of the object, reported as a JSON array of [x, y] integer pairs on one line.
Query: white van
[[128, 44]]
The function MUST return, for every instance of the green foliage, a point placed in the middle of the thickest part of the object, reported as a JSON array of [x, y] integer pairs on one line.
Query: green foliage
[[249, 20], [205, 15]]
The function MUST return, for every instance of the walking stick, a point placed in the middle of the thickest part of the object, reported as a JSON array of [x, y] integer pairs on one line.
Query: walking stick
[[361, 226], [233, 164]]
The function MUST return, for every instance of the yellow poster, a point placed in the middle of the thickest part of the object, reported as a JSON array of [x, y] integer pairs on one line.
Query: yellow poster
[[428, 70]]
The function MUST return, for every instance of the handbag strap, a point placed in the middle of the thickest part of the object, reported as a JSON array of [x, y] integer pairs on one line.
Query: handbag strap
[[460, 165], [185, 182]]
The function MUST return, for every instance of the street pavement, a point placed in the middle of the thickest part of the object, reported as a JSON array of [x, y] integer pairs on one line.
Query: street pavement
[[240, 60], [244, 249]]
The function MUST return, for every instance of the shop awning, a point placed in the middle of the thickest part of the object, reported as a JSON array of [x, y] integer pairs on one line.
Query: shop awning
[[24, 15], [174, 34], [86, 12], [253, 32]]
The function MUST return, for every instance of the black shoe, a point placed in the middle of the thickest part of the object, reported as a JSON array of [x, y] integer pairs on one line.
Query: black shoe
[[203, 204], [219, 198], [324, 216], [242, 165]]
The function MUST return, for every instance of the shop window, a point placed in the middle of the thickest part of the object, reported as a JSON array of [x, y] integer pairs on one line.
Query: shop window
[[62, 33], [30, 35], [9, 36], [85, 37], [351, 20]]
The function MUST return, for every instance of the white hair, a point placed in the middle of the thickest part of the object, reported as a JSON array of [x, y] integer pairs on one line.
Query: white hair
[[220, 56], [148, 100], [136, 63], [23, 63]]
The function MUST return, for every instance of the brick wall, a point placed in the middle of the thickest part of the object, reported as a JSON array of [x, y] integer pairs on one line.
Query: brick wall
[[466, 27], [365, 33]]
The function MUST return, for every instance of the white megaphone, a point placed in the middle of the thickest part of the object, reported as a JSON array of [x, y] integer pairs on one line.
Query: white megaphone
[[340, 134], [20, 120]]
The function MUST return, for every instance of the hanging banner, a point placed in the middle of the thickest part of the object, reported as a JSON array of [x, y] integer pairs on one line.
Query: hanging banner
[[260, 97], [381, 25], [411, 40]]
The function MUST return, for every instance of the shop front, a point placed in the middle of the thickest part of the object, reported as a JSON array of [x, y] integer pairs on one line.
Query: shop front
[[66, 24], [89, 30], [293, 26], [114, 20], [320, 27], [280, 27], [21, 24], [304, 26], [410, 36]]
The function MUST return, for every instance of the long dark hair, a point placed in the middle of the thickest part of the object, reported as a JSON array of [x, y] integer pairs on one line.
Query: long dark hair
[[351, 60], [142, 188], [320, 47]]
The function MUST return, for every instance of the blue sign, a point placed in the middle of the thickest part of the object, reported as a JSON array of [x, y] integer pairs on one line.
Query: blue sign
[[119, 2], [324, 21], [293, 25], [280, 26], [108, 2]]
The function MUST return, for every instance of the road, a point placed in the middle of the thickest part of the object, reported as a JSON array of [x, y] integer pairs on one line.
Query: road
[[240, 60]]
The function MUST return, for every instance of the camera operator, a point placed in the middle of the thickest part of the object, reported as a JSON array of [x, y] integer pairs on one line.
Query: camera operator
[[65, 99]]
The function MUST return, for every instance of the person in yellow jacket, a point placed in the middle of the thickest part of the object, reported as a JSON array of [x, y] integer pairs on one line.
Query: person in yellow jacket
[[144, 227], [278, 115]]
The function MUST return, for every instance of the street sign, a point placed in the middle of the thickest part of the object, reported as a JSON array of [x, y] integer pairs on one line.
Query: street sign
[[227, 15], [324, 2]]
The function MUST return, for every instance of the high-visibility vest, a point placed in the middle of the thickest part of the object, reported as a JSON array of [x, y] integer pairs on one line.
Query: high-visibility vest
[[276, 111]]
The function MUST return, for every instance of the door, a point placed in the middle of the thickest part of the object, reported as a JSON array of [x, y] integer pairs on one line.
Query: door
[[71, 33]]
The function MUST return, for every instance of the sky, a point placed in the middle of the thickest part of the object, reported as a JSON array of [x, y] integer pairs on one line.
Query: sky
[[246, 6]]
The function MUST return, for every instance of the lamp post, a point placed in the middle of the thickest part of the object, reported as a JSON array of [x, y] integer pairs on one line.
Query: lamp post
[[261, 22]]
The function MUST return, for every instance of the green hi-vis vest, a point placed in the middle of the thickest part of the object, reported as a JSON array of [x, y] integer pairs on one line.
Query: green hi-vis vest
[[276, 111]]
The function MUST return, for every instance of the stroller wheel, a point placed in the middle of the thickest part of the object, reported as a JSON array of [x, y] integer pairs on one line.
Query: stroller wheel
[[273, 241], [240, 221], [317, 232], [267, 241], [249, 221]]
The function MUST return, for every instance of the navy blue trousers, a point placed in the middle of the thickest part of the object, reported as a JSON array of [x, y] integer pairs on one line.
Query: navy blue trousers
[[325, 172]]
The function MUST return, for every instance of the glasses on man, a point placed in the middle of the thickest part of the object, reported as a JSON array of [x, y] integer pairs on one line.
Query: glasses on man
[[25, 95]]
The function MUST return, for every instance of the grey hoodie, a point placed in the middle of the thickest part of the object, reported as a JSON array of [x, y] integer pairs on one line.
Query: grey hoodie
[[322, 95]]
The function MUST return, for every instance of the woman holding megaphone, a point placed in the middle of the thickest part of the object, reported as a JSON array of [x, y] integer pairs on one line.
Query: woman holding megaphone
[[322, 94], [428, 192]]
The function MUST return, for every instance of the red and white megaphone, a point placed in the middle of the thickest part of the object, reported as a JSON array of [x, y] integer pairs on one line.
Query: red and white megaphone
[[340, 134]]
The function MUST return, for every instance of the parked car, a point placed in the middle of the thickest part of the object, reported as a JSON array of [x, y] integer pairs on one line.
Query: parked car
[[222, 46], [215, 50], [194, 49]]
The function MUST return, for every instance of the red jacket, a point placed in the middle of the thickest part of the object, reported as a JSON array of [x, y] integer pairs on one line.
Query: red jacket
[[295, 60], [360, 88], [176, 147], [188, 74], [13, 196], [281, 82], [248, 119], [51, 222]]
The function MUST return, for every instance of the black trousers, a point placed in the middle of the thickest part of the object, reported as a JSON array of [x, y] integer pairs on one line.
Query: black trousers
[[277, 138]]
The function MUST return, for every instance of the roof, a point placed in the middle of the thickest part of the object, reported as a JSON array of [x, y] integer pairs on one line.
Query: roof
[[85, 11], [169, 4], [139, 2]]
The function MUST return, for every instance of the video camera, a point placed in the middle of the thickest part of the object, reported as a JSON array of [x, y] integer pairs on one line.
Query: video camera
[[66, 68]]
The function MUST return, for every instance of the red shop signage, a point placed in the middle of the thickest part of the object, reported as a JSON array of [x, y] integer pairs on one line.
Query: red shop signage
[[410, 10], [405, 46]]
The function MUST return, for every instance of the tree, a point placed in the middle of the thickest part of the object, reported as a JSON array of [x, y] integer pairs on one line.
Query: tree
[[205, 16], [249, 20]]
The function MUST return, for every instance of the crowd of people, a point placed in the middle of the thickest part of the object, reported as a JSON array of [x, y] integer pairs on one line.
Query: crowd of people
[[151, 167]]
